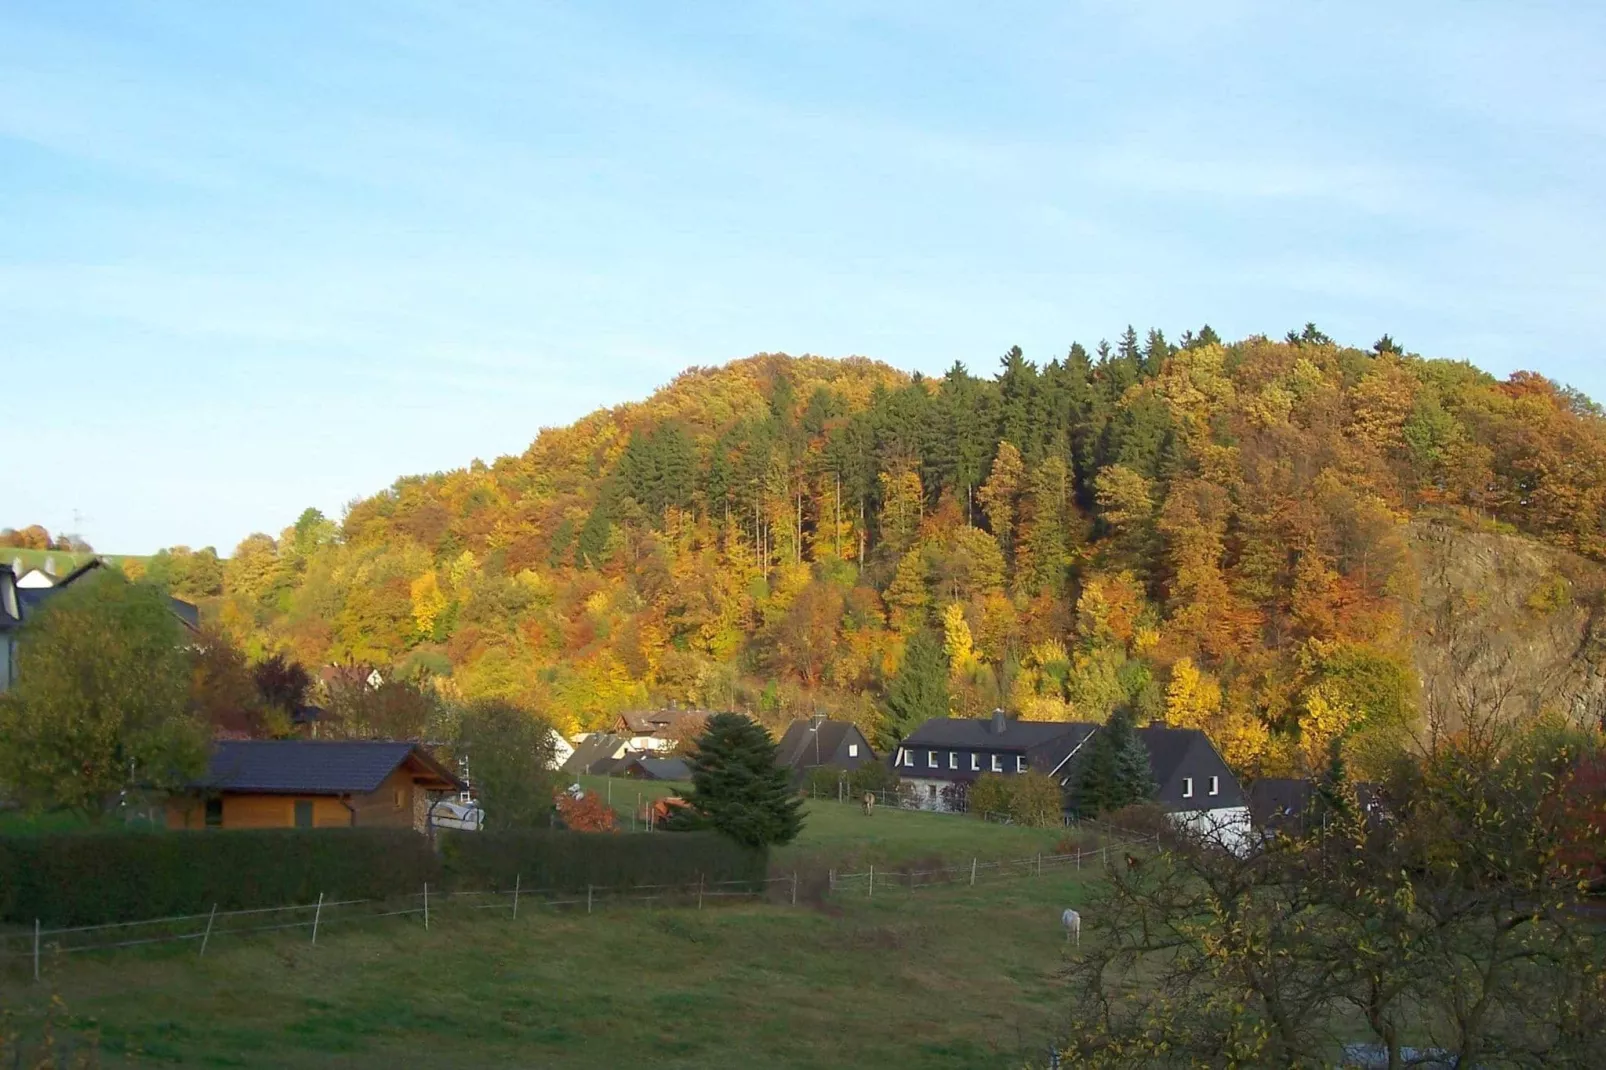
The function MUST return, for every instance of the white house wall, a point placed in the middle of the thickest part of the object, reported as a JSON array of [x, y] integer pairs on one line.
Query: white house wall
[[1227, 827]]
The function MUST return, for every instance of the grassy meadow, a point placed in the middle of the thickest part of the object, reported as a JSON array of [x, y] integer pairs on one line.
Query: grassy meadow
[[943, 977]]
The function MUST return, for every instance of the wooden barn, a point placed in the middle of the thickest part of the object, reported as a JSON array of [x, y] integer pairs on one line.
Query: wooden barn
[[306, 783]]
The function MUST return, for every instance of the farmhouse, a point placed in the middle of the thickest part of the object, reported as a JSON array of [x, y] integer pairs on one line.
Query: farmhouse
[[946, 751], [656, 730], [819, 742], [306, 783], [1194, 784]]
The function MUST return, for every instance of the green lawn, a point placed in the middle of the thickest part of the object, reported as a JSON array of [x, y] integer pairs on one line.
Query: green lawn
[[943, 977], [839, 835]]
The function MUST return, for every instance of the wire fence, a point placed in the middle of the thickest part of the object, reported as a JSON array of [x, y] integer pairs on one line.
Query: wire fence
[[1033, 866], [201, 929]]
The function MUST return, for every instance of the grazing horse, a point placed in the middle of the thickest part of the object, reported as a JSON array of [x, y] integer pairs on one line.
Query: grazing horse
[[1073, 926], [869, 803]]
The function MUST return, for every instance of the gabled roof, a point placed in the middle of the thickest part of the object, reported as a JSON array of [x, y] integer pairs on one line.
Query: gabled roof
[[813, 742], [317, 767], [661, 768], [595, 754], [983, 734], [652, 722], [1178, 752]]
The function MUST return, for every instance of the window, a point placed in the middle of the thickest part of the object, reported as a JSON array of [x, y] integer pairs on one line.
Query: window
[[1020, 763], [975, 763], [931, 791], [1187, 787], [214, 813], [908, 757], [853, 750], [998, 764], [953, 760], [303, 813], [397, 803], [1215, 785], [931, 759]]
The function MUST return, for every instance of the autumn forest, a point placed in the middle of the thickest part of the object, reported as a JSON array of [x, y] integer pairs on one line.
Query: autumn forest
[[1214, 534]]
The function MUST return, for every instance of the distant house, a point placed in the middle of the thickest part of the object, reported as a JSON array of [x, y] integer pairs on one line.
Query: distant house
[[645, 768], [599, 754], [654, 730], [314, 784], [10, 625], [562, 749], [819, 742], [946, 751], [1195, 786], [357, 676]]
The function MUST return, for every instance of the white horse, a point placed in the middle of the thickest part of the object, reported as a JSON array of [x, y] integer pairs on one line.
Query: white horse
[[1073, 926]]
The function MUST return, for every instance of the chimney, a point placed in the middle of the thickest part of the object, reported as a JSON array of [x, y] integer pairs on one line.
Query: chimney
[[1000, 723]]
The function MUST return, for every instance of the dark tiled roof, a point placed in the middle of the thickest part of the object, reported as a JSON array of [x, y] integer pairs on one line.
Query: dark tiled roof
[[34, 597], [594, 754], [1188, 752], [311, 767], [662, 768], [1276, 799], [1017, 735], [803, 740]]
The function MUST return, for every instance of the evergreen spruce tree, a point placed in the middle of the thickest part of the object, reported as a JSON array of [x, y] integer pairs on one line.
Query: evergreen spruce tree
[[738, 788], [918, 692], [1115, 772]]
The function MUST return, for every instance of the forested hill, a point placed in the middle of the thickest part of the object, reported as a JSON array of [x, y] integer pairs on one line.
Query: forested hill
[[1216, 533]]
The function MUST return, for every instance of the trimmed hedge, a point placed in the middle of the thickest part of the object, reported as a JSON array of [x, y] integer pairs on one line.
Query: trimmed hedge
[[87, 878], [569, 861]]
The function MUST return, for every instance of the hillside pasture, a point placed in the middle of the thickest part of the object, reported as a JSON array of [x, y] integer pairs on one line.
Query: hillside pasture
[[901, 980]]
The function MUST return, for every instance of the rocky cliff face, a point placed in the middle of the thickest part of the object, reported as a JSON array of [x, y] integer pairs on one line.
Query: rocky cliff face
[[1505, 628]]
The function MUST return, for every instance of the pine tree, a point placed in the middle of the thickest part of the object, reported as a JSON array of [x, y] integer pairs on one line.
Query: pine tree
[[738, 788], [918, 692]]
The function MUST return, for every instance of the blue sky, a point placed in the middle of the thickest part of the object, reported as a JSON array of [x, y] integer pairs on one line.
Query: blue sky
[[255, 257]]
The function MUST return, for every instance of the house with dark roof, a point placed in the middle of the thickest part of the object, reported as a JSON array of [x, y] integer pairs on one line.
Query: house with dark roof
[[819, 742], [1283, 805], [1195, 786], [948, 751], [656, 730], [599, 754], [305, 783], [643, 767]]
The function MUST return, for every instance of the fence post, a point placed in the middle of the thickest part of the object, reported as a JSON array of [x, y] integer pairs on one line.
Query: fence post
[[830, 877], [1039, 863], [872, 882], [36, 949], [1079, 859], [699, 891], [318, 913], [426, 906], [794, 887], [973, 871], [517, 877], [208, 934], [588, 899]]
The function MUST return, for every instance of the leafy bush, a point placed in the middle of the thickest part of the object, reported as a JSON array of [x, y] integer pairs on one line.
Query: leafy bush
[[1035, 800], [823, 780], [873, 776], [990, 794]]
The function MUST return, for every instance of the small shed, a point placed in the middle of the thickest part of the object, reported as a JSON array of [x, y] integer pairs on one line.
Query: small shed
[[305, 783]]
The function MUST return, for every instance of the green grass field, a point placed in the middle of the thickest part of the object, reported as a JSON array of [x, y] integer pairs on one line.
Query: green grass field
[[945, 976], [840, 835]]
